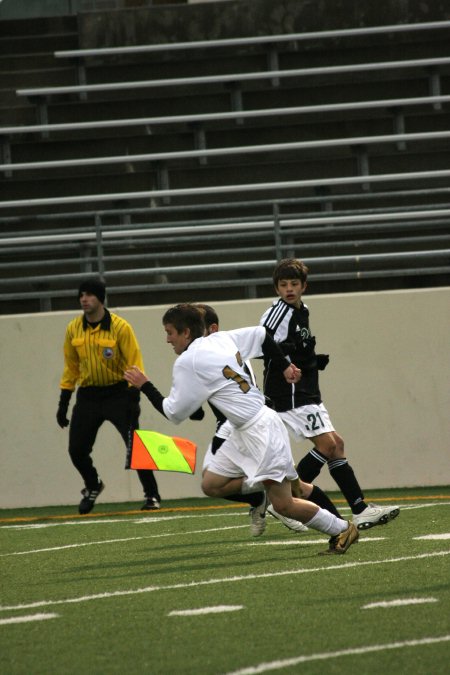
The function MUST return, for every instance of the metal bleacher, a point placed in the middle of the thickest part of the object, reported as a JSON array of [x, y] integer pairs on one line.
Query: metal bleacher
[[236, 189], [271, 74]]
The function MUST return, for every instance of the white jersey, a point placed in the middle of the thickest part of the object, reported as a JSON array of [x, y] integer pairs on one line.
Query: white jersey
[[212, 369]]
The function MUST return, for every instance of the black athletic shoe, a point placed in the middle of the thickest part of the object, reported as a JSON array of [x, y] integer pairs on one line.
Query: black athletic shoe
[[151, 504], [89, 497]]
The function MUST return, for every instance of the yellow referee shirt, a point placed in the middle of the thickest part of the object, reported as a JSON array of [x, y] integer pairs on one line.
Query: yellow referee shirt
[[99, 356]]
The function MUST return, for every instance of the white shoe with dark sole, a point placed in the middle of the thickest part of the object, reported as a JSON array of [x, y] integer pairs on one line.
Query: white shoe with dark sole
[[375, 515], [290, 523], [258, 518]]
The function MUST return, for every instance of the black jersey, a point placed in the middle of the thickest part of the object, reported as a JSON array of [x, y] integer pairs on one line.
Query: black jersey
[[289, 326]]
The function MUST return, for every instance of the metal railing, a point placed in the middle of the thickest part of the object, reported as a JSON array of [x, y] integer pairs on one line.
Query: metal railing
[[223, 78], [435, 101], [245, 150], [254, 40], [418, 176], [129, 257]]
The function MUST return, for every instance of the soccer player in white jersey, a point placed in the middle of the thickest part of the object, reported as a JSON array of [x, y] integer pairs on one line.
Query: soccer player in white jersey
[[211, 368], [257, 500]]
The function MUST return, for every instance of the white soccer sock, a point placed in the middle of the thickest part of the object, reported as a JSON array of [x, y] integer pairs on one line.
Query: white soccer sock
[[247, 489], [326, 522]]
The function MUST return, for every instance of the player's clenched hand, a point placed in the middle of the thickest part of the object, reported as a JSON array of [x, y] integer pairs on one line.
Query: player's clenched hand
[[292, 374], [63, 407], [135, 377], [61, 417]]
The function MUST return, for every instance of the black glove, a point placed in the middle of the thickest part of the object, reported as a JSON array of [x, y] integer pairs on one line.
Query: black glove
[[322, 361], [306, 345], [216, 443], [63, 406], [197, 415]]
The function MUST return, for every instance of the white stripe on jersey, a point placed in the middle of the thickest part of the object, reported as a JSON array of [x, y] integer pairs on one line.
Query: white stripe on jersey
[[275, 315], [277, 319]]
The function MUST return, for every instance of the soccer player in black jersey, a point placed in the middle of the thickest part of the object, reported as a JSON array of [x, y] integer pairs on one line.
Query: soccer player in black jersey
[[300, 405]]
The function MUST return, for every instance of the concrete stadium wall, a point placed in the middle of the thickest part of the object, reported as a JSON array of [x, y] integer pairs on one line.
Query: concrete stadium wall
[[386, 388]]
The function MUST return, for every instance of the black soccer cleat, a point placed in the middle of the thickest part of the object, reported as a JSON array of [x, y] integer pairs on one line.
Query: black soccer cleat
[[89, 497], [150, 504]]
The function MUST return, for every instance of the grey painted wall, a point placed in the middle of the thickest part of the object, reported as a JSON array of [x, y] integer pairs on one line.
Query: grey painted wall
[[386, 388]]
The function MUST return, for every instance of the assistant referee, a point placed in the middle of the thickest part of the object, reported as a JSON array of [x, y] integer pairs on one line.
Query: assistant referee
[[98, 347]]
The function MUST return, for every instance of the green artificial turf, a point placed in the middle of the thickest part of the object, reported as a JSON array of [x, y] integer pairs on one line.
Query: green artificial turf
[[103, 593]]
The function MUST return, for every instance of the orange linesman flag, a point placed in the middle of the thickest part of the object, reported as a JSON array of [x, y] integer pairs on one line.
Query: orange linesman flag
[[152, 450]]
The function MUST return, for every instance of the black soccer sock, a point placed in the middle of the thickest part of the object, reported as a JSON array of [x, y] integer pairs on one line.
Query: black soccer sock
[[309, 467], [342, 473], [251, 498], [321, 499]]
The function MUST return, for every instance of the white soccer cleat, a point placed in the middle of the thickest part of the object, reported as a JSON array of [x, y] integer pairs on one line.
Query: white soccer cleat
[[290, 523], [375, 515], [258, 518]]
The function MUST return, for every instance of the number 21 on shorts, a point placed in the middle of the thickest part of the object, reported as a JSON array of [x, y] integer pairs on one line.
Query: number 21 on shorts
[[315, 422]]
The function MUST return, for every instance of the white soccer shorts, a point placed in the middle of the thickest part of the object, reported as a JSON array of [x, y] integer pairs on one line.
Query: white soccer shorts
[[225, 430], [259, 450], [307, 421]]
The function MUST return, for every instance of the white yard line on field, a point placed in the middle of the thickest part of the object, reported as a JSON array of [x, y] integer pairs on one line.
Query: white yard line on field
[[26, 619], [151, 520], [399, 603], [219, 609], [145, 520], [289, 542], [223, 580], [114, 541], [423, 506], [288, 663], [304, 542]]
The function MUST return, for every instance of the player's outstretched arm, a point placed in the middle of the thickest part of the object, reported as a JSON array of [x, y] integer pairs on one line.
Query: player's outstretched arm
[[138, 379], [272, 350], [135, 377]]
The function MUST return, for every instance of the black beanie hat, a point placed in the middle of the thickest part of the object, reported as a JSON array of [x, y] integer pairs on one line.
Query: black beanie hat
[[95, 286]]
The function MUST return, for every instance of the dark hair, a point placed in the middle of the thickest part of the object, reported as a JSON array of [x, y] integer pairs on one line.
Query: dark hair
[[290, 268], [93, 285], [185, 315], [209, 314]]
